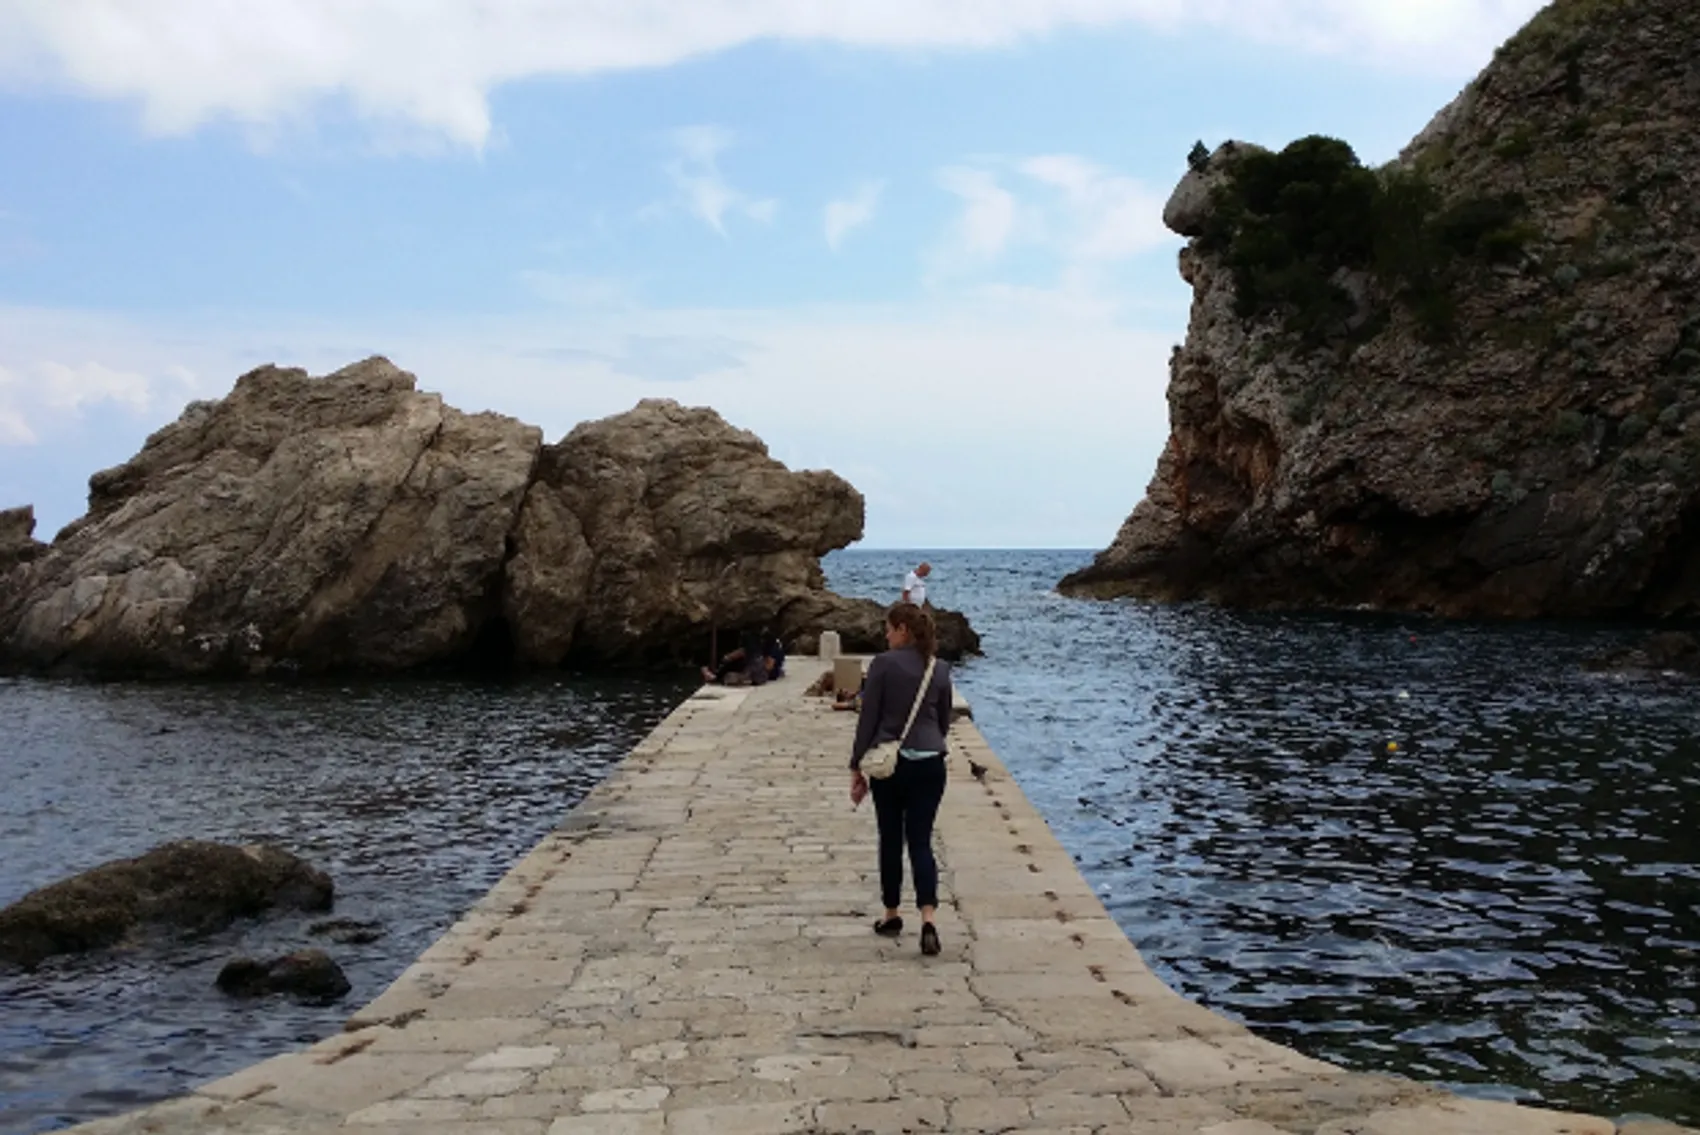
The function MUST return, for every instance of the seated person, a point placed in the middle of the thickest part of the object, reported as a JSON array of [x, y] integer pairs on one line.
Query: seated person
[[773, 657], [759, 659]]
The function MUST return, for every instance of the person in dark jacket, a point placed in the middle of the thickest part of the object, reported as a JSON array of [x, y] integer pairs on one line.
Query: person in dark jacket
[[907, 802], [760, 659]]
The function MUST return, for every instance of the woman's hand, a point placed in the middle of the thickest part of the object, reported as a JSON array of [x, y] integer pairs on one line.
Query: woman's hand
[[858, 788]]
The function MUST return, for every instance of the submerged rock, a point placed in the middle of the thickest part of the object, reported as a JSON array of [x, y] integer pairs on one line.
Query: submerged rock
[[347, 931], [1467, 383], [190, 885], [308, 974], [352, 522], [1667, 652]]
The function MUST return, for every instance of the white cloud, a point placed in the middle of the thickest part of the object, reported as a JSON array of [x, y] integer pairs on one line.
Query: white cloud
[[51, 375], [1080, 216], [988, 211], [14, 427], [695, 169], [1113, 217], [14, 430], [852, 212], [430, 65], [70, 388]]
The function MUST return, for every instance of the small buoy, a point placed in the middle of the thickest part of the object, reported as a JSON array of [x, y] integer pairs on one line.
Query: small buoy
[[1392, 746], [1404, 695]]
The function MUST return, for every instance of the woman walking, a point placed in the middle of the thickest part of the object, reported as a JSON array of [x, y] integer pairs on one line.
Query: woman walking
[[906, 802]]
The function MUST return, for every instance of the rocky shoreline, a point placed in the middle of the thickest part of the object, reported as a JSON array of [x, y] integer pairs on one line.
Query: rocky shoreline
[[352, 522]]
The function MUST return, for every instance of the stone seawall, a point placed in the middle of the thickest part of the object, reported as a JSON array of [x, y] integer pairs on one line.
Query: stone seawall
[[690, 952]]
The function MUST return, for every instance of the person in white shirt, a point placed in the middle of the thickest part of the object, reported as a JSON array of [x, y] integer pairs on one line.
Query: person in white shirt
[[915, 585]]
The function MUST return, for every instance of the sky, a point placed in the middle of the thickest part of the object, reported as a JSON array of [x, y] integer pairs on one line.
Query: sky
[[917, 242]]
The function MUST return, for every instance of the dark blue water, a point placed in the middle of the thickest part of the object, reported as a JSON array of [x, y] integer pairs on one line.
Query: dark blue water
[[1507, 903], [415, 796]]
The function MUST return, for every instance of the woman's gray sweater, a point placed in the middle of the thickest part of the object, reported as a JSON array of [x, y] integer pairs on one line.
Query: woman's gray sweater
[[887, 694]]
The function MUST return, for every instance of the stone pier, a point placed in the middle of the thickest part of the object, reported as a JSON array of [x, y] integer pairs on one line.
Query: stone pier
[[691, 953]]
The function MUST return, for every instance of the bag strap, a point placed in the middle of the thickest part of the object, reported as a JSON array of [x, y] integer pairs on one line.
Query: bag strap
[[920, 696]]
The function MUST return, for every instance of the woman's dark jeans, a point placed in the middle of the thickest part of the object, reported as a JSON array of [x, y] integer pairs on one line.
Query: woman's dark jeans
[[906, 804]]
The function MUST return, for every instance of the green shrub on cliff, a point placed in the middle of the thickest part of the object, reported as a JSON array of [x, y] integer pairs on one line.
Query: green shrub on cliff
[[1289, 224]]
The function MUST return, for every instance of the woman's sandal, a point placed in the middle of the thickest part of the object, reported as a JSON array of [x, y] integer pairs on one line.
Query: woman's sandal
[[889, 928], [929, 939]]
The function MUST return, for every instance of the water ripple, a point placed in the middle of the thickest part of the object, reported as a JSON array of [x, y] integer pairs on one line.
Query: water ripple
[[415, 796], [1442, 850]]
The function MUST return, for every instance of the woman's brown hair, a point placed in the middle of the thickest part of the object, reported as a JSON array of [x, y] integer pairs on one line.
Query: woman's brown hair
[[922, 635]]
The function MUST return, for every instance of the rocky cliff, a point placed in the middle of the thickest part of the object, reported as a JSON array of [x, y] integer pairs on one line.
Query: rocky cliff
[[352, 522], [1467, 382]]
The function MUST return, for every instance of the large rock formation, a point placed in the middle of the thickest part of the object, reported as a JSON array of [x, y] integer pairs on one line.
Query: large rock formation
[[346, 521], [1467, 383], [190, 885], [669, 522], [352, 522]]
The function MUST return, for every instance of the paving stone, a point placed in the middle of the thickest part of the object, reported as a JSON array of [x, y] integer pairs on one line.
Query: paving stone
[[410, 1111], [745, 1119], [698, 1070], [792, 1066], [729, 1093], [1470, 1117], [355, 1083], [1102, 1081], [625, 1099], [947, 1085], [844, 1086], [989, 1113], [476, 1034], [661, 1051], [459, 1127], [649, 1123], [987, 1057], [541, 1056], [580, 1078], [1175, 1115], [525, 1105], [473, 1085], [893, 1117], [1069, 1107]]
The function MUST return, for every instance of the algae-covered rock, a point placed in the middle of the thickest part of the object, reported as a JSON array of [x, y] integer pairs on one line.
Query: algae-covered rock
[[189, 886]]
